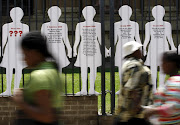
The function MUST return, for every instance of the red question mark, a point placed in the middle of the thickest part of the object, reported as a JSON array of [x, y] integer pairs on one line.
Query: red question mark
[[20, 32], [15, 32], [11, 32]]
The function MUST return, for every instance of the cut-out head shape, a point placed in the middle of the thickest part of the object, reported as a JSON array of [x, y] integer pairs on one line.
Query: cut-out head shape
[[54, 13], [125, 12], [158, 12], [16, 14], [89, 12]]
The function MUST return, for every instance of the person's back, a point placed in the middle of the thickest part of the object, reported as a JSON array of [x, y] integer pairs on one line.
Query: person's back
[[46, 77]]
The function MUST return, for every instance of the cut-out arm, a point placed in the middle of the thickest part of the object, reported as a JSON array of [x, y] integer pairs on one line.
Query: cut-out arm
[[4, 35], [137, 37], [169, 37], [77, 40], [147, 37], [66, 42]]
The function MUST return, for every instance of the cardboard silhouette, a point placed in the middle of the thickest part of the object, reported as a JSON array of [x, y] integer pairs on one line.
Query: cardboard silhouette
[[88, 37], [57, 35], [124, 31], [158, 35], [13, 56]]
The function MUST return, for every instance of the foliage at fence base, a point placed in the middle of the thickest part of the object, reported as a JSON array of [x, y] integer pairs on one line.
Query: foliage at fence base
[[78, 110]]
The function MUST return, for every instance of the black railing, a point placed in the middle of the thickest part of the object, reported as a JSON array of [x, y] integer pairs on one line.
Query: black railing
[[36, 14]]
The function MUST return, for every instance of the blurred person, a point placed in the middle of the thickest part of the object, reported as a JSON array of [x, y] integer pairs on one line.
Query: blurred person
[[40, 100], [166, 100], [136, 88]]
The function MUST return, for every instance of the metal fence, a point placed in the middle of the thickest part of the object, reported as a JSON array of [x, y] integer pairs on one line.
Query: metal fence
[[35, 14]]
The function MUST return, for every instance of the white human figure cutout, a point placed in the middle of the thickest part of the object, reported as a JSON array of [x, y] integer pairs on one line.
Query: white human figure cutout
[[57, 35], [88, 37], [158, 34], [124, 31], [13, 56], [179, 49]]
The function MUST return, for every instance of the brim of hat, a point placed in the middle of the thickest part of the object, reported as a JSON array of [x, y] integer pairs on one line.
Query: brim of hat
[[138, 46]]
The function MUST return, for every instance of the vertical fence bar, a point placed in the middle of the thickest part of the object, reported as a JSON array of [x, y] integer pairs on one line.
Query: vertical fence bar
[[163, 6], [135, 19], [7, 11], [14, 69], [50, 3], [170, 11], [44, 10], [121, 3], [72, 20], [86, 62], [149, 11], [57, 2], [112, 69], [36, 15], [1, 42], [80, 9], [65, 22], [14, 3], [177, 20], [103, 104], [29, 13], [7, 15], [142, 20], [128, 2], [22, 6], [156, 53]]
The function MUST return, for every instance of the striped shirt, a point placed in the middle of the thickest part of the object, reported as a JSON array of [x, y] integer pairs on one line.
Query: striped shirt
[[167, 101]]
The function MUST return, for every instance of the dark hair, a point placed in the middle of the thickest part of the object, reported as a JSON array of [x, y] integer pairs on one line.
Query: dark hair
[[172, 56], [36, 41]]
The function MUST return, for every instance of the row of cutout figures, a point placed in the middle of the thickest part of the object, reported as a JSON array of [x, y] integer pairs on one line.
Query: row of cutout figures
[[87, 44]]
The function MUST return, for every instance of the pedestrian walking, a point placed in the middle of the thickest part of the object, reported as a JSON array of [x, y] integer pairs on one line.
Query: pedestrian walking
[[136, 88], [40, 100], [166, 100]]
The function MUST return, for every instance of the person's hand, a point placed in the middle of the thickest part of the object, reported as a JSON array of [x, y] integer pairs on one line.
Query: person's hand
[[148, 112], [18, 96]]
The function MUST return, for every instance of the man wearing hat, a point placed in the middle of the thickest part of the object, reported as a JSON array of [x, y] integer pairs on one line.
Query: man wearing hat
[[136, 88]]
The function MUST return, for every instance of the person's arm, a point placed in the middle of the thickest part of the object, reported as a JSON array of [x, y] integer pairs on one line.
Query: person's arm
[[147, 90], [170, 105], [42, 111]]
